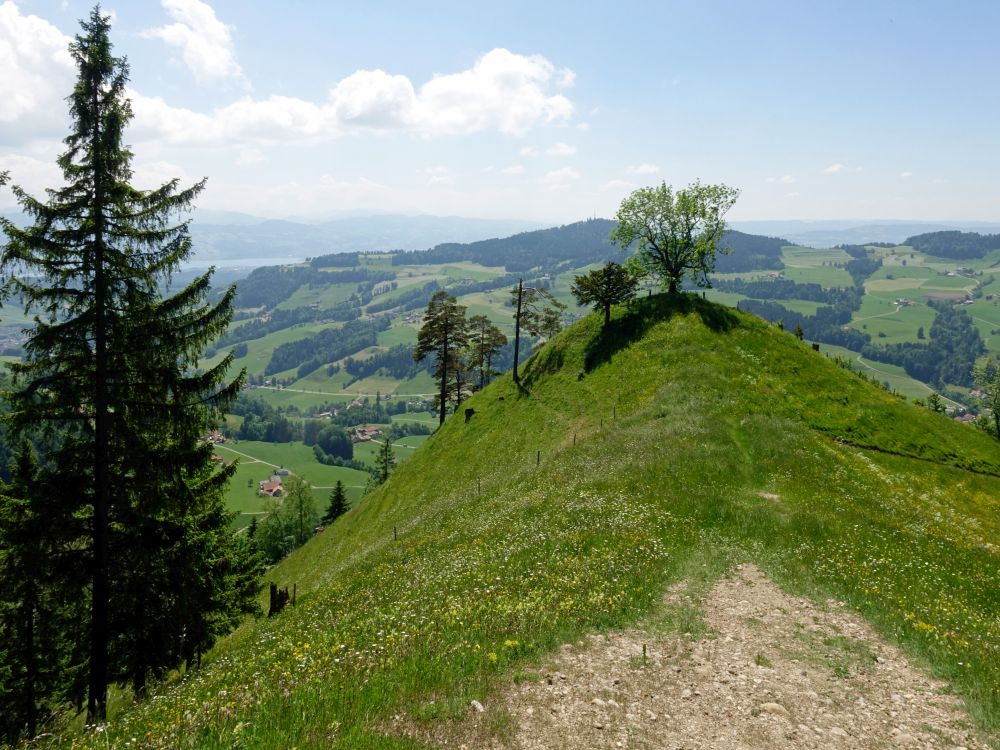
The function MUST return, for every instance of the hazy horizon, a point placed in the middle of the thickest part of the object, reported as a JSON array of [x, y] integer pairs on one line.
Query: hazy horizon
[[532, 112]]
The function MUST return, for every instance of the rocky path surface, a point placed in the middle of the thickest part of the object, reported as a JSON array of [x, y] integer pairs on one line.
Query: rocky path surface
[[772, 671]]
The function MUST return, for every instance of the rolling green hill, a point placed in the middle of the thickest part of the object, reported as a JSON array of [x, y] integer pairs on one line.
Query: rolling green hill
[[685, 438]]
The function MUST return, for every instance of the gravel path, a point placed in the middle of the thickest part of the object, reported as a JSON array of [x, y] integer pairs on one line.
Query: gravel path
[[772, 671]]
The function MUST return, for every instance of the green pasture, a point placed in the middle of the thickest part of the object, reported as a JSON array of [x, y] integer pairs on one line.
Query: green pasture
[[398, 333], [421, 383], [306, 400], [259, 351], [808, 257], [324, 295], [402, 449], [894, 375], [801, 306], [423, 417], [729, 299], [985, 315], [826, 276], [881, 314]]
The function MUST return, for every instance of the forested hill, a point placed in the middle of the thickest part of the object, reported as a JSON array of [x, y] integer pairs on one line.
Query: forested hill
[[583, 243], [957, 245], [748, 252]]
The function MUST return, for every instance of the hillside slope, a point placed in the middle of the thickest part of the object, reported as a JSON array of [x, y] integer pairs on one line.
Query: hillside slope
[[572, 504]]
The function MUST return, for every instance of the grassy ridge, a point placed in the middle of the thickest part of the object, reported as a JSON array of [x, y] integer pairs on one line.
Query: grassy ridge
[[572, 503]]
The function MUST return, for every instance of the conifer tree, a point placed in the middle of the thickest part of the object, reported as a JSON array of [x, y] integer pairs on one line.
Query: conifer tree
[[444, 333], [485, 340], [42, 608], [338, 504], [112, 366], [384, 460]]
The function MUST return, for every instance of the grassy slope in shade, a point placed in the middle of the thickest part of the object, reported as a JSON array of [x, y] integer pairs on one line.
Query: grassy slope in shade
[[653, 441]]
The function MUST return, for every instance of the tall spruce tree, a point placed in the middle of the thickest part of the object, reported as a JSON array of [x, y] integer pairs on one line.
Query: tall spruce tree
[[444, 333], [113, 367]]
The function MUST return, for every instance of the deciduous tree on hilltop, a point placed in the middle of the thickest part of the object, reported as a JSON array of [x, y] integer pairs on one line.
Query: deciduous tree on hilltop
[[677, 233]]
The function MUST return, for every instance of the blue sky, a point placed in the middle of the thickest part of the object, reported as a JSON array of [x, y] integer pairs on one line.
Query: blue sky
[[548, 111]]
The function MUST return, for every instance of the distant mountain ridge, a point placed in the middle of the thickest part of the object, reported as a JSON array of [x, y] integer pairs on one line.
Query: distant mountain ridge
[[829, 233], [244, 237], [583, 243]]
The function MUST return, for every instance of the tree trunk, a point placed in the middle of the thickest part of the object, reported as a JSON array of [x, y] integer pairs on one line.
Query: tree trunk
[[517, 327], [30, 669], [607, 314], [672, 289], [97, 698], [443, 397], [482, 359]]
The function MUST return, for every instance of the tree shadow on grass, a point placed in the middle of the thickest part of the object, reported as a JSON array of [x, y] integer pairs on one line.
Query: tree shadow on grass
[[643, 314]]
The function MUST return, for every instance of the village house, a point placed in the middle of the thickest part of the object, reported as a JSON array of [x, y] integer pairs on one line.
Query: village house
[[364, 434], [271, 487]]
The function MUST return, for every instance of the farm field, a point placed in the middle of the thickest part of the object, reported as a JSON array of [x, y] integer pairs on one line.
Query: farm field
[[730, 299], [805, 265], [402, 449], [325, 296], [399, 333], [894, 375], [879, 314], [295, 456], [986, 317]]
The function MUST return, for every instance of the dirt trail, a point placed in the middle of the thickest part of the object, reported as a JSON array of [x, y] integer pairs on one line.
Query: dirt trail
[[773, 671]]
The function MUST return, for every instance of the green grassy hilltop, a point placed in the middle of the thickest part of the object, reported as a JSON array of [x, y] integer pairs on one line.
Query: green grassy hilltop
[[685, 434]]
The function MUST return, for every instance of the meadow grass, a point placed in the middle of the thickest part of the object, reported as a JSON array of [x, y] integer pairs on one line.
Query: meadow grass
[[570, 503], [325, 295]]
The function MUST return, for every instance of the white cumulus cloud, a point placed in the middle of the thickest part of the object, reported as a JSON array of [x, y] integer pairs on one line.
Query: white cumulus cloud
[[834, 168], [34, 175], [560, 149], [904, 175], [250, 156], [438, 175], [205, 43], [618, 185], [502, 91], [36, 72], [643, 169], [152, 174], [559, 178]]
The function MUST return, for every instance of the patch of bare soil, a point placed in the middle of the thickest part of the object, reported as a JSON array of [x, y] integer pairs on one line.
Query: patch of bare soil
[[772, 671]]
